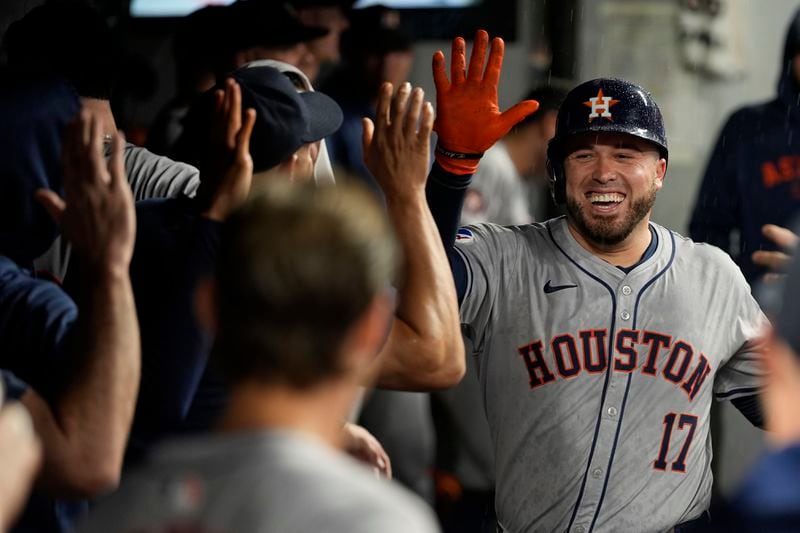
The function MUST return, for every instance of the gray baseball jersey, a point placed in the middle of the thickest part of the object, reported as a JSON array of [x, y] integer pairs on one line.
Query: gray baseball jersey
[[597, 384], [271, 481]]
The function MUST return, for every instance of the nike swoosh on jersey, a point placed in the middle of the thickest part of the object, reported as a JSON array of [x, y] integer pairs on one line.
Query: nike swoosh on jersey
[[555, 288]]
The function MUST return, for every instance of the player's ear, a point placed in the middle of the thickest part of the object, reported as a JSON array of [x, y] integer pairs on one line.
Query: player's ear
[[661, 171], [205, 304]]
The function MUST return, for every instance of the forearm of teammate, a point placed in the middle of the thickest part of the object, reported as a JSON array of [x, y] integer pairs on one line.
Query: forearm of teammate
[[468, 122], [84, 436], [425, 347], [424, 350]]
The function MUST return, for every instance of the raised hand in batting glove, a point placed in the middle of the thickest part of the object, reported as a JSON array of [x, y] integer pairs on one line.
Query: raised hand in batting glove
[[468, 119]]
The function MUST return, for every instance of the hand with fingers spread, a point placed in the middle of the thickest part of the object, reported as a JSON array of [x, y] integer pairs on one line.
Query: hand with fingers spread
[[97, 213], [84, 439], [424, 349], [776, 261], [229, 158], [468, 118], [397, 144]]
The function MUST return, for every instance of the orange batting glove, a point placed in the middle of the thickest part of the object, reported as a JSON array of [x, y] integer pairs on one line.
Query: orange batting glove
[[468, 119]]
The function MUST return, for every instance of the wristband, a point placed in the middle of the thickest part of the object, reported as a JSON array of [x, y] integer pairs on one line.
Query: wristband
[[457, 155]]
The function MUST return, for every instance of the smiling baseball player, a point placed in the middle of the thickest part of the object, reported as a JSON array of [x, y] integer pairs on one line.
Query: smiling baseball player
[[601, 337]]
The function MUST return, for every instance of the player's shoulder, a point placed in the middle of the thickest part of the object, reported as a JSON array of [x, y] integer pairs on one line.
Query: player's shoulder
[[705, 256], [311, 469], [488, 231]]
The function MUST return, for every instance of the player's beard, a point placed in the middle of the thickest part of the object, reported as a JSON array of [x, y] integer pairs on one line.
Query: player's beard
[[609, 231]]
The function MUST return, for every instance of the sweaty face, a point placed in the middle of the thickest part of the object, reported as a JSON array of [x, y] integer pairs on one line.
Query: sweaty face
[[612, 180]]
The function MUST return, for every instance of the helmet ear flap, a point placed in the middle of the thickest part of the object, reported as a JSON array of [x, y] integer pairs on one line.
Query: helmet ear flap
[[558, 182]]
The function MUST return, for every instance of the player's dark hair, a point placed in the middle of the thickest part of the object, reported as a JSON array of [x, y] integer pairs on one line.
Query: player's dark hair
[[196, 54], [299, 265], [67, 38]]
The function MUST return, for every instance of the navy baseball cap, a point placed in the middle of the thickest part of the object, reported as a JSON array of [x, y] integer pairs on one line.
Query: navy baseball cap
[[306, 116], [285, 119]]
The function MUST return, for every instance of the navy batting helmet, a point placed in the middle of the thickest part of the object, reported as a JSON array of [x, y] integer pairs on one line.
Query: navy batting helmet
[[603, 105]]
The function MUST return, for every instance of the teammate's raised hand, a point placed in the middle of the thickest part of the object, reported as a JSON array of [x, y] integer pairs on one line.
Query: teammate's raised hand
[[468, 119], [97, 213], [229, 152], [397, 144], [776, 261]]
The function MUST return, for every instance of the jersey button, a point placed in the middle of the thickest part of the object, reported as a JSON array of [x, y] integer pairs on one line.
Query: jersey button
[[625, 315], [579, 529], [612, 411], [597, 472], [626, 290]]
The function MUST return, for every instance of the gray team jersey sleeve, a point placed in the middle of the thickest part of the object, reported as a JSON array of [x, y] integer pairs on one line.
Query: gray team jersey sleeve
[[488, 250], [149, 176], [743, 372], [156, 176]]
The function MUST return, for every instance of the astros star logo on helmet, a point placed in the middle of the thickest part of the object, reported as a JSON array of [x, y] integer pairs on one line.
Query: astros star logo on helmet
[[601, 106]]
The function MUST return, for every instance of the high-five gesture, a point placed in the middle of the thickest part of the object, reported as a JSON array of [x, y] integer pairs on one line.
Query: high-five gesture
[[424, 350], [396, 148], [84, 439], [468, 119], [229, 151]]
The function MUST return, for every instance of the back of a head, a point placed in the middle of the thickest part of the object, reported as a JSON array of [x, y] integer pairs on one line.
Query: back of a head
[[298, 266], [374, 30], [266, 24], [67, 38], [196, 54]]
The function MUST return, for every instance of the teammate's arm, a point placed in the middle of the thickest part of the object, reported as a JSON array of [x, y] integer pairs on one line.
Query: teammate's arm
[[84, 437], [468, 123], [425, 342], [424, 350], [445, 194]]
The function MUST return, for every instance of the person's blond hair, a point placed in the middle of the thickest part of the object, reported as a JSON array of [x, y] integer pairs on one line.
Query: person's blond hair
[[298, 266]]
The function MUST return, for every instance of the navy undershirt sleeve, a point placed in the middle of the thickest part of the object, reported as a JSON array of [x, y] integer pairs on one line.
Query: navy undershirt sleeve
[[445, 193], [750, 407]]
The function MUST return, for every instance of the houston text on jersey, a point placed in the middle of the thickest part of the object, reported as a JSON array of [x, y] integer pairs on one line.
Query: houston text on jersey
[[568, 356]]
